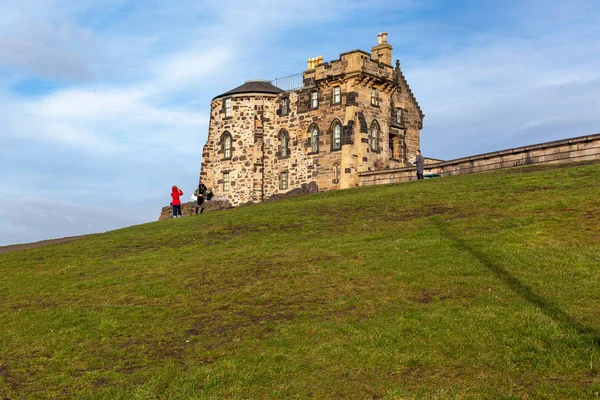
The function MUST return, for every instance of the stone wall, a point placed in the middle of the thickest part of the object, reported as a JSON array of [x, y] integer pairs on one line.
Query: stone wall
[[189, 208], [257, 124], [584, 148]]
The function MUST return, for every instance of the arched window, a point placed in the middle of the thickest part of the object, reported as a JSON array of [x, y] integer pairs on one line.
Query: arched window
[[226, 145], [284, 139], [336, 135], [374, 137], [314, 138]]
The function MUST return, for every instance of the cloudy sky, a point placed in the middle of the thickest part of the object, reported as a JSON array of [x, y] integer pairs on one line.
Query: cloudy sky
[[104, 103]]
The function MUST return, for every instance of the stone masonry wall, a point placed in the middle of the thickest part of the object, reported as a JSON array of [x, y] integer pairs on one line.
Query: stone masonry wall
[[257, 124], [584, 148]]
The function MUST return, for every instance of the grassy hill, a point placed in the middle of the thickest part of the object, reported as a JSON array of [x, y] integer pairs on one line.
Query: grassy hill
[[480, 286]]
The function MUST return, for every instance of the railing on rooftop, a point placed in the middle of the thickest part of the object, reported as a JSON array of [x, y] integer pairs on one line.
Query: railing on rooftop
[[288, 83]]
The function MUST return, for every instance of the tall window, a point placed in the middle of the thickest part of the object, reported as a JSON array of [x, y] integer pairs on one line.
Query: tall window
[[315, 139], [314, 100], [337, 95], [285, 106], [337, 136], [283, 180], [285, 143], [398, 115], [228, 107], [374, 136], [226, 181], [374, 101], [226, 143]]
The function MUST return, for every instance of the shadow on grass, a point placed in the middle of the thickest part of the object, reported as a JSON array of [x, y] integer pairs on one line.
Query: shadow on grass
[[522, 290]]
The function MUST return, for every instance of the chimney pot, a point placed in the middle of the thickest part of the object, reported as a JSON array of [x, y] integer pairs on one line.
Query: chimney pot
[[379, 39], [384, 37]]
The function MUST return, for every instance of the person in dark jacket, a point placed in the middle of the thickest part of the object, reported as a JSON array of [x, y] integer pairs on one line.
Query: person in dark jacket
[[201, 193], [420, 164], [176, 202]]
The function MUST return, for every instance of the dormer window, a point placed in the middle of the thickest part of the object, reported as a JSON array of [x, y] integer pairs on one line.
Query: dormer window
[[314, 100], [227, 107], [337, 95], [374, 101]]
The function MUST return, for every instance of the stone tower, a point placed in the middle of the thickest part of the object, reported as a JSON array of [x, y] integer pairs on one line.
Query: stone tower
[[353, 114]]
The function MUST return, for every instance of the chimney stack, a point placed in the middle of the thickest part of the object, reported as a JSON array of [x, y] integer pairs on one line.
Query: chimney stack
[[383, 51], [314, 61]]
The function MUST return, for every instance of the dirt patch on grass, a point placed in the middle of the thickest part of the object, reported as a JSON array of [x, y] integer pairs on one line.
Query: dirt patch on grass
[[25, 246], [534, 189], [588, 215], [9, 378], [424, 211], [289, 227], [429, 296], [38, 305], [100, 382]]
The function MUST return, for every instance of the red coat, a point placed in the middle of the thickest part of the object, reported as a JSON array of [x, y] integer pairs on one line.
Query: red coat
[[175, 196]]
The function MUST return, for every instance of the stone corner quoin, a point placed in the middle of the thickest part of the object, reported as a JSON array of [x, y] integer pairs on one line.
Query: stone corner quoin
[[347, 116]]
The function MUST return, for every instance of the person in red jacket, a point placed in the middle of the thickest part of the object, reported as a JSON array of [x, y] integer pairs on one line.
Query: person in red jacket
[[176, 203]]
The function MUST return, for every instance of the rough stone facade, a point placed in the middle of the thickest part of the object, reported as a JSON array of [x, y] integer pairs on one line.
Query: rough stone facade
[[264, 142]]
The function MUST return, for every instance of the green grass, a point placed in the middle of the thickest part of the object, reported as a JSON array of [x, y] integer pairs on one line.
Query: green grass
[[479, 286]]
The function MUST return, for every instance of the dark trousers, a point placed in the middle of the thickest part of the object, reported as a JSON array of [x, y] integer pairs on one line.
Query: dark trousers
[[419, 175], [200, 204], [176, 210]]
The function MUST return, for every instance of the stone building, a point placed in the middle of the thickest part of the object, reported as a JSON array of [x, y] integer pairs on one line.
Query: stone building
[[349, 115]]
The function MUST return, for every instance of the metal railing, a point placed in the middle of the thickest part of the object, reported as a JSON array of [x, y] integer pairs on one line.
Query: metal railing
[[289, 83]]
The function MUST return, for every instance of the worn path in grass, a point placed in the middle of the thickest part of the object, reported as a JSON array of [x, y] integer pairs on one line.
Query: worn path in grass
[[33, 245], [479, 286]]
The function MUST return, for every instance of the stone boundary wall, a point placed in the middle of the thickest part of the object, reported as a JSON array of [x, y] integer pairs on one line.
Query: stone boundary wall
[[189, 208], [583, 148]]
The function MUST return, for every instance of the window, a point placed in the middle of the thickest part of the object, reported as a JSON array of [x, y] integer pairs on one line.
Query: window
[[398, 115], [283, 181], [284, 139], [336, 143], [374, 136], [337, 95], [226, 144], [285, 106], [315, 139], [314, 100], [228, 107], [226, 181], [374, 101]]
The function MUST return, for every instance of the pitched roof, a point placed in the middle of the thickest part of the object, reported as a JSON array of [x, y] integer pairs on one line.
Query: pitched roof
[[253, 86]]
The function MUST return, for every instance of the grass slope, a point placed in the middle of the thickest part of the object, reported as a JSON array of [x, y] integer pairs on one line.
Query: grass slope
[[480, 286]]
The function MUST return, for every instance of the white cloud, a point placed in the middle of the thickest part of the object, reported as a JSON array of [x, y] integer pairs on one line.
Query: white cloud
[[509, 91]]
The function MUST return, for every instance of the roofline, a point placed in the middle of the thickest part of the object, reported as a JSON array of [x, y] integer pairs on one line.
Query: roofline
[[237, 94]]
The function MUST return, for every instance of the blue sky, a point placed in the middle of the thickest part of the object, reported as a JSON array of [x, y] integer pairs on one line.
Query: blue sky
[[104, 103]]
